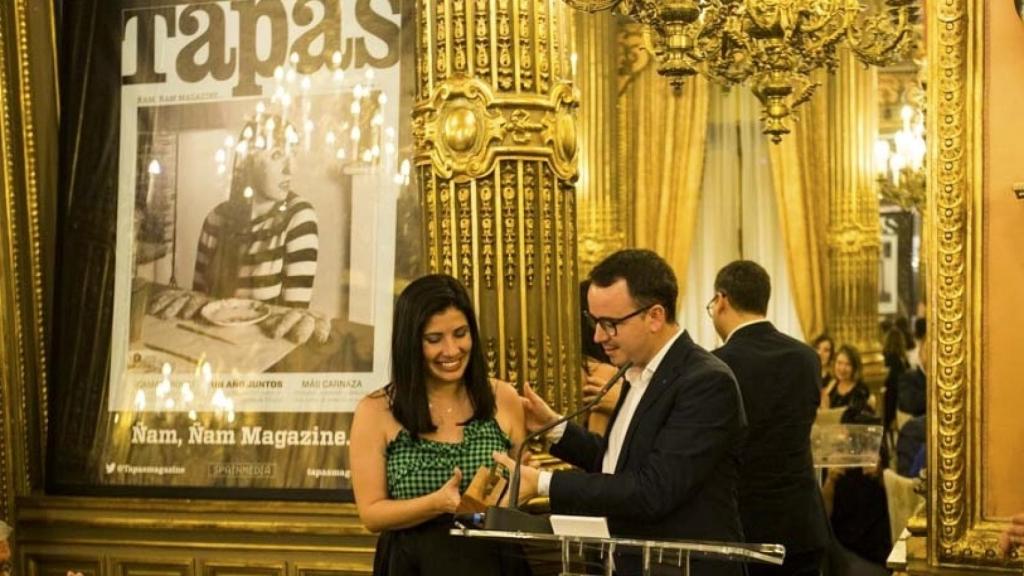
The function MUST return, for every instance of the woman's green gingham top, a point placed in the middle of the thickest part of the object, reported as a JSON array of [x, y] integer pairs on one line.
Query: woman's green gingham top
[[419, 467]]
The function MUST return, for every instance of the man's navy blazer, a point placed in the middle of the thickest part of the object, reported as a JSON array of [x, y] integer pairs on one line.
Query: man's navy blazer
[[677, 470], [780, 378]]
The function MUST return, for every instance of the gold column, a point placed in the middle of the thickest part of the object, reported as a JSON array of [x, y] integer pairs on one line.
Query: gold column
[[604, 217], [496, 149], [853, 238]]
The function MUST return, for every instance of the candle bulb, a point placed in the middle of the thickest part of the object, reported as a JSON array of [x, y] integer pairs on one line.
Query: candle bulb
[[154, 170]]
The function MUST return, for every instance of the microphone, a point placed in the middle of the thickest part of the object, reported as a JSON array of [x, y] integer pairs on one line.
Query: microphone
[[512, 518]]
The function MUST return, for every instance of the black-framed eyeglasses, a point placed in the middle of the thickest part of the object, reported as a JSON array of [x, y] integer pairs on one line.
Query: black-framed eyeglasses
[[611, 325], [711, 305]]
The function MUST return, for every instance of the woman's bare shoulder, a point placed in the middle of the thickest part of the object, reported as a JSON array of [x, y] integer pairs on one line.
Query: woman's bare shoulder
[[503, 391], [375, 403]]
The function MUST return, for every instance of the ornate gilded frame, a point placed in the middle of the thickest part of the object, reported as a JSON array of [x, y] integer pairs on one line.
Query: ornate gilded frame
[[28, 142], [958, 535]]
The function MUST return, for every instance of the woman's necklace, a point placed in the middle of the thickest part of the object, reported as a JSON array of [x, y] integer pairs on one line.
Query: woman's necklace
[[446, 411], [443, 411]]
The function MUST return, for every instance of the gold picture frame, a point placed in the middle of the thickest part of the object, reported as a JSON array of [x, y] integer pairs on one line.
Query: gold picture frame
[[956, 534]]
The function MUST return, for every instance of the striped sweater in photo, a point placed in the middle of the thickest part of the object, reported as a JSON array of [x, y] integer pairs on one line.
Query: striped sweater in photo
[[274, 258]]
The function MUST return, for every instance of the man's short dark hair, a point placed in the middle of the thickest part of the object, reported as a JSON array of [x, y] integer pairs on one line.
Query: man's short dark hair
[[648, 277], [747, 286]]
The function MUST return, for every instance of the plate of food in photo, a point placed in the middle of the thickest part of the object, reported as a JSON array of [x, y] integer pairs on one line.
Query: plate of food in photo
[[235, 312]]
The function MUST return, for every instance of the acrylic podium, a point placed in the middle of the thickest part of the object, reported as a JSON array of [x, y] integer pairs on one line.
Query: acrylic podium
[[845, 445], [656, 556]]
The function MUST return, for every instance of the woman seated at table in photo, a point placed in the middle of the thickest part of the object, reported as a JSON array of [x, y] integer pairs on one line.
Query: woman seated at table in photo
[[262, 243], [418, 442]]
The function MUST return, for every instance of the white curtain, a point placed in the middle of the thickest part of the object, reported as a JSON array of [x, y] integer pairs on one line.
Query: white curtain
[[737, 217]]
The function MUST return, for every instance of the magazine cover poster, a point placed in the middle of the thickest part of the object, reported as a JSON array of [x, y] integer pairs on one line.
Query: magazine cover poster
[[259, 174]]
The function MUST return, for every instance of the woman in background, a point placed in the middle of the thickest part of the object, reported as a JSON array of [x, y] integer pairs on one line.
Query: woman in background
[[894, 351], [417, 443], [826, 348], [597, 370], [847, 390]]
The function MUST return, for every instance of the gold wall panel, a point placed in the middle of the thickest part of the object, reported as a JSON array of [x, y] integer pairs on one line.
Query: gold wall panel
[[496, 148], [326, 569], [244, 569], [152, 565], [62, 565], [136, 537]]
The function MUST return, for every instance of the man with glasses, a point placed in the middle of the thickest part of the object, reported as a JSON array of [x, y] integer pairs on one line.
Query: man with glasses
[[667, 468], [780, 378]]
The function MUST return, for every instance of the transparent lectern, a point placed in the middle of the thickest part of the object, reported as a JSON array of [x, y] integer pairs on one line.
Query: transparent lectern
[[579, 554], [845, 445]]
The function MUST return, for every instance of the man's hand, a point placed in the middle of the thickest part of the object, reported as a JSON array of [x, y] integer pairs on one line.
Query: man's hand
[[527, 475], [447, 497], [1013, 536], [538, 413], [298, 326]]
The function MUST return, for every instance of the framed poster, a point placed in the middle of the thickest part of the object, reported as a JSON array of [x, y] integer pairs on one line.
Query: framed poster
[[257, 172], [888, 274]]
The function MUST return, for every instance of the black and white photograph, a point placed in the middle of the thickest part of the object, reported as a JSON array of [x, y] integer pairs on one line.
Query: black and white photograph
[[256, 215]]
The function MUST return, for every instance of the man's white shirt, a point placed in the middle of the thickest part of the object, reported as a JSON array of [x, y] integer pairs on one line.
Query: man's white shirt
[[639, 379]]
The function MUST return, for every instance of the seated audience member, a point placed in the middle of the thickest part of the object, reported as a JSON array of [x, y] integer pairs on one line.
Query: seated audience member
[[910, 445], [854, 497], [1013, 536], [912, 386], [825, 346], [919, 329], [848, 390], [859, 512], [894, 351]]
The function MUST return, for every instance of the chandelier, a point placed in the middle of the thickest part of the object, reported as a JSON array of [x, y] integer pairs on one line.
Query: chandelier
[[771, 45], [900, 162], [334, 120]]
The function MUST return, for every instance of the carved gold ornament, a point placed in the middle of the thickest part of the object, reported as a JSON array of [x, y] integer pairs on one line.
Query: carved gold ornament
[[463, 126], [770, 45]]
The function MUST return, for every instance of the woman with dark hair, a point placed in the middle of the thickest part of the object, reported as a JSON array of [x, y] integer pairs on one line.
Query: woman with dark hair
[[848, 390], [597, 370], [417, 443], [894, 350], [825, 346]]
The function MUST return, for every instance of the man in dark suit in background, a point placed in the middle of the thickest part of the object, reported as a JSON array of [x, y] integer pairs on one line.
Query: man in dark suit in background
[[667, 469], [780, 378]]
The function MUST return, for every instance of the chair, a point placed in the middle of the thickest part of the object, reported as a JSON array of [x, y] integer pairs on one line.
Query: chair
[[903, 500]]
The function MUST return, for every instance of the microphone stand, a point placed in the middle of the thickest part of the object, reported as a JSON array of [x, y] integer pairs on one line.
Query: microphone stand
[[512, 518]]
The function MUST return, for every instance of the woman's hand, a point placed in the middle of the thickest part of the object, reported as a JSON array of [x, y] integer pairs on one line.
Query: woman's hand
[[447, 497], [595, 380]]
